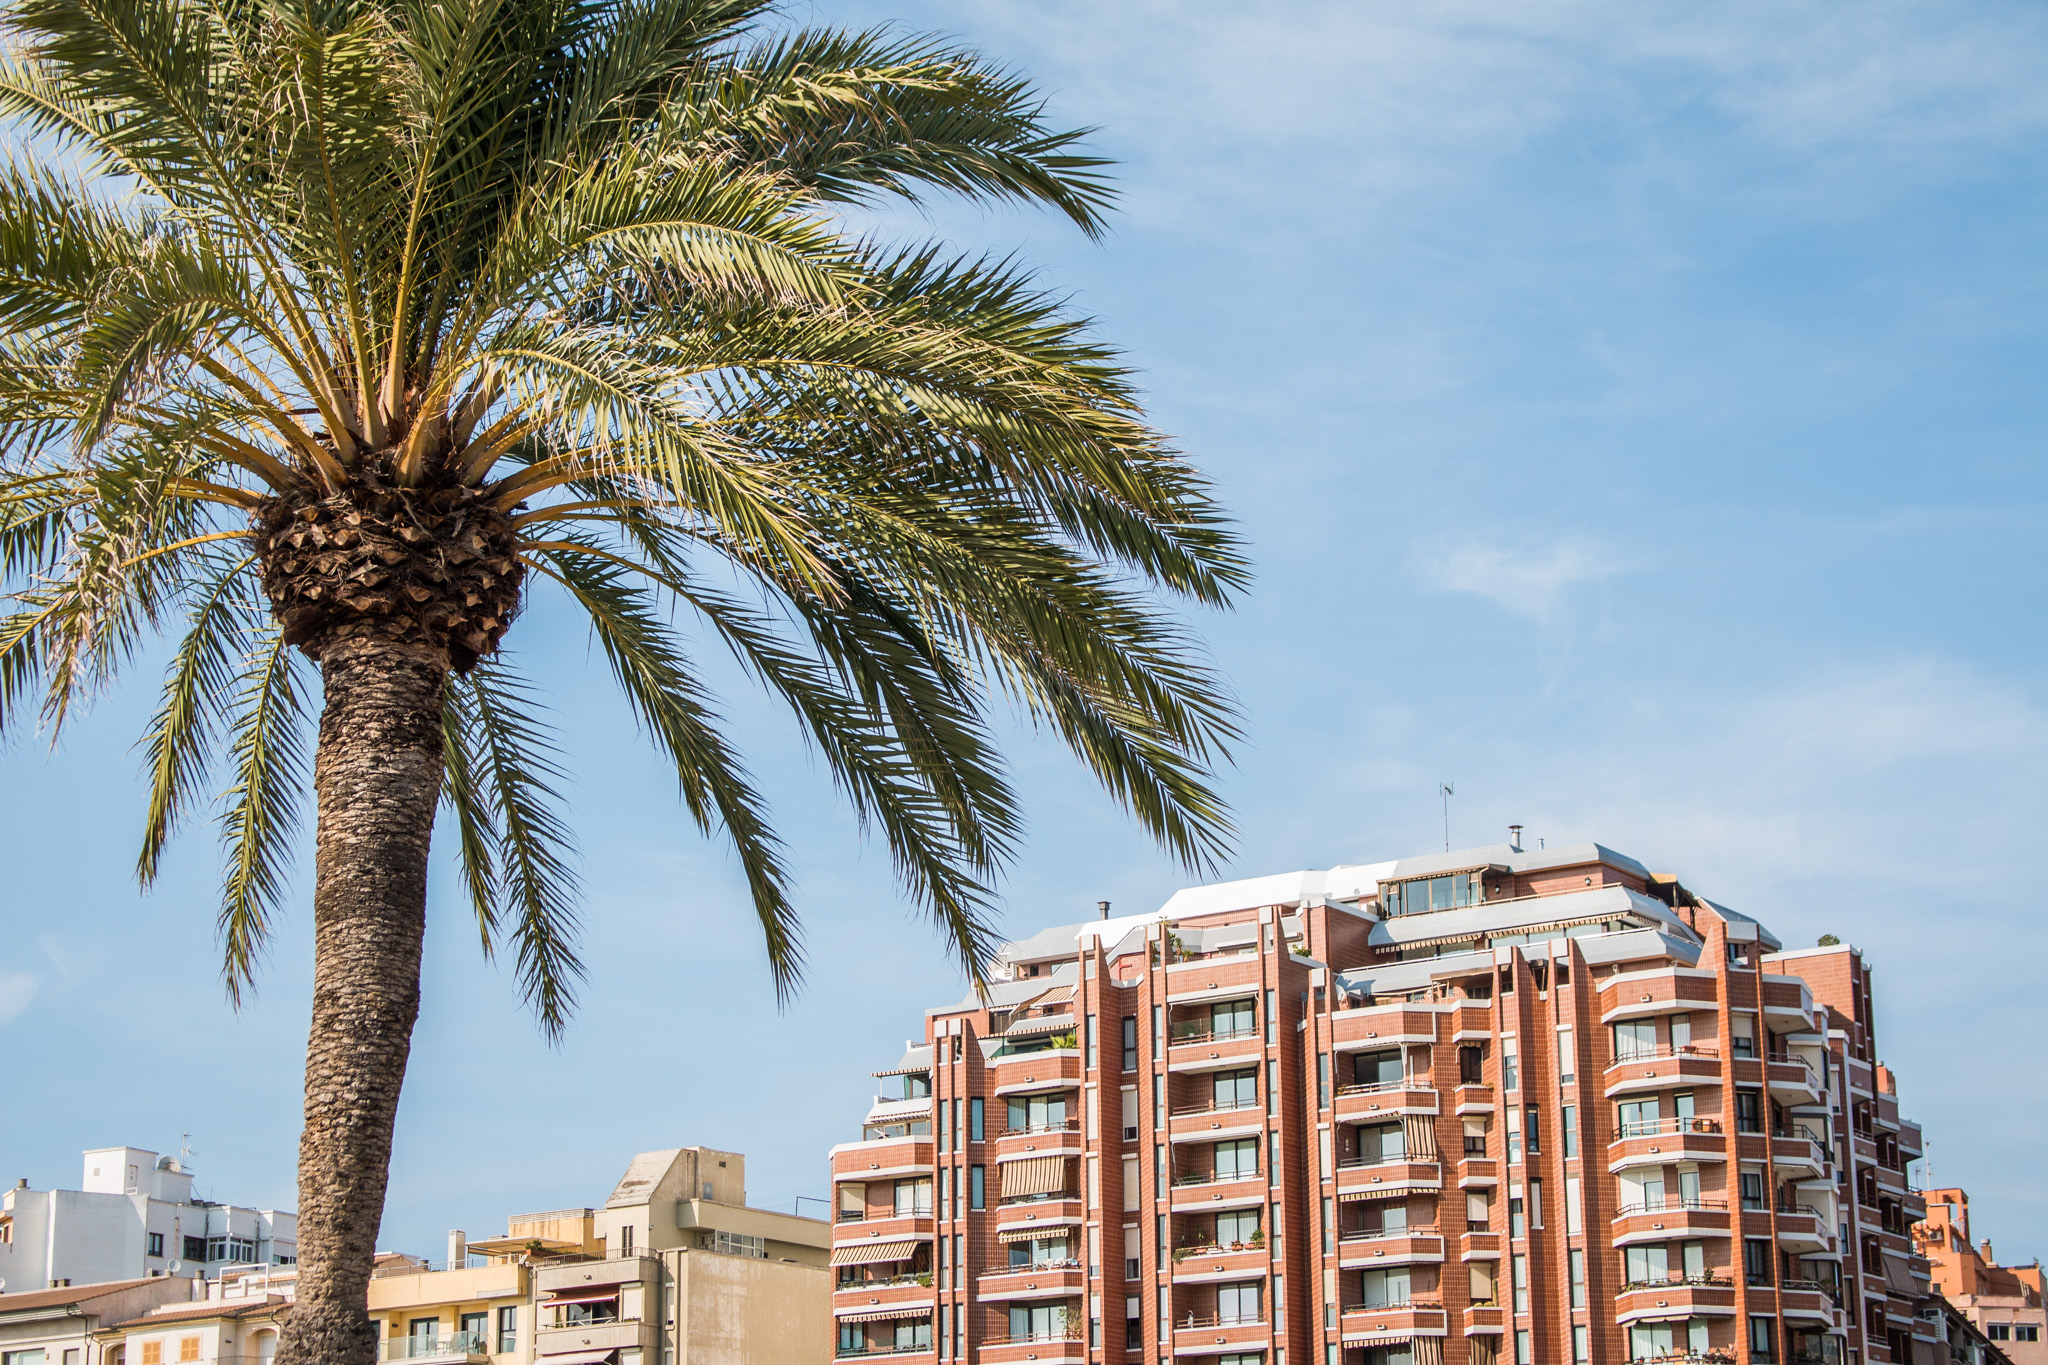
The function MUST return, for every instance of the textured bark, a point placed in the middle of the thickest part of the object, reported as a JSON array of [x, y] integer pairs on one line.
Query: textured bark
[[378, 777]]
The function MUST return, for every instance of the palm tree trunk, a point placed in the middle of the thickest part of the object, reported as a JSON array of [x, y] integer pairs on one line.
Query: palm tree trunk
[[378, 777]]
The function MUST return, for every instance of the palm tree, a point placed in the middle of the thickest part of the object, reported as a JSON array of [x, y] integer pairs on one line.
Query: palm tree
[[336, 329]]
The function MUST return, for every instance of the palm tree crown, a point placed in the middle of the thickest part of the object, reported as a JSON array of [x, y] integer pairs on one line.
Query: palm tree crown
[[333, 326]]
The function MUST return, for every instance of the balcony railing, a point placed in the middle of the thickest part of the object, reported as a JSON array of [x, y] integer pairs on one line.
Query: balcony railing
[[1639, 1128], [1385, 1234], [1197, 1320], [1202, 1033], [1686, 1358], [920, 1277], [1214, 1178], [1833, 1292], [1054, 1334], [1672, 1204], [1061, 1126], [453, 1346], [1659, 1051], [1399, 1159], [885, 1349], [1211, 1106], [1382, 1087], [1394, 1304], [1807, 1209], [1705, 1280], [1030, 1268]]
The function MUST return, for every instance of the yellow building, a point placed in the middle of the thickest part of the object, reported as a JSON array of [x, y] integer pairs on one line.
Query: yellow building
[[213, 1332]]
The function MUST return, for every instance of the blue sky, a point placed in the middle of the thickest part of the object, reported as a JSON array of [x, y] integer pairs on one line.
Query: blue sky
[[1635, 414]]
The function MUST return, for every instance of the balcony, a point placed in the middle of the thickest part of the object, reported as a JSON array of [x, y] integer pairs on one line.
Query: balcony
[[1037, 1071], [1658, 995], [869, 1352], [1792, 1079], [1416, 1317], [1799, 1148], [1679, 1296], [1479, 1244], [1204, 1049], [1405, 1246], [1389, 1176], [1193, 1331], [907, 1292], [1195, 1193], [1056, 1215], [1810, 1299], [1043, 1139], [1665, 1141], [1472, 1097], [1655, 1068], [1376, 1026], [1206, 1121], [1065, 1344], [1386, 1099], [471, 1348], [882, 1158], [1802, 1229], [1045, 1280], [623, 1334], [1670, 1218], [883, 1224], [1211, 1261]]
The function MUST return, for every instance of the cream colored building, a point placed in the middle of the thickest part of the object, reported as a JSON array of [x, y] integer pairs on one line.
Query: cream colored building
[[206, 1333], [61, 1326]]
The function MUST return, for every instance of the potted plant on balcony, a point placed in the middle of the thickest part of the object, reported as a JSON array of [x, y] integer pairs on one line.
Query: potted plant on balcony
[[1258, 1238]]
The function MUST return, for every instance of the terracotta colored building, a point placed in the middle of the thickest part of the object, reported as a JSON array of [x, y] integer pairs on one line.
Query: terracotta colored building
[[1492, 1106], [2004, 1302]]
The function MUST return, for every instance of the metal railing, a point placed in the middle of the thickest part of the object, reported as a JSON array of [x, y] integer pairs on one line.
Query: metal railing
[[1388, 1234], [1658, 1051], [1214, 1178], [1382, 1087], [1197, 1320], [1411, 1303], [1063, 1126], [1210, 1106], [1809, 1210], [1051, 1334], [437, 1347], [1707, 1279], [920, 1277], [1351, 1163], [1672, 1204], [1640, 1128], [1030, 1268], [1686, 1358], [886, 1349], [1203, 1033]]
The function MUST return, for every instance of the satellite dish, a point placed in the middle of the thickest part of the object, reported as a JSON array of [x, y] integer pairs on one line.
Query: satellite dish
[[3, 1284], [176, 1266]]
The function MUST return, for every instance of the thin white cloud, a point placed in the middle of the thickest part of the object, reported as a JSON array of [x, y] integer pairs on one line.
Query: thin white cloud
[[1531, 583], [17, 993]]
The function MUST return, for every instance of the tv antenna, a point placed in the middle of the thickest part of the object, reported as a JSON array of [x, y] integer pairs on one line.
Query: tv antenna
[[1447, 790]]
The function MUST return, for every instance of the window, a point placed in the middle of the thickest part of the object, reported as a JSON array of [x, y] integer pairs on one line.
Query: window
[[977, 1186], [1999, 1331], [1038, 1322], [1568, 1128], [852, 1339], [1521, 1283], [1384, 1288], [195, 1249], [1272, 1012], [1574, 1210], [1377, 1068], [1509, 1077], [1425, 894], [1475, 1136], [1480, 1281], [740, 1244], [1236, 1225], [1234, 1089], [1536, 1203], [508, 1330], [1565, 1062], [974, 1120], [1581, 1346], [1516, 1226], [1381, 1142], [1130, 1042], [1756, 1260], [913, 1197], [1091, 1042], [1742, 1032], [152, 1354], [1478, 1211], [1471, 1065], [1038, 1251], [188, 1349], [583, 1314], [1578, 1277], [1645, 1264], [475, 1329], [1749, 1106], [1522, 1356], [1529, 1130], [1681, 1031], [1237, 1303], [36, 1357], [156, 1244], [1134, 1321], [1763, 1339], [1237, 1160], [1038, 1113], [1636, 1118], [1635, 1038], [626, 1236], [1753, 1192], [2026, 1331]]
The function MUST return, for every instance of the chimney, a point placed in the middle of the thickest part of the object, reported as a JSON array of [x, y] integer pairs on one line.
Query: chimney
[[1515, 837], [1984, 1252], [1102, 909], [458, 1250]]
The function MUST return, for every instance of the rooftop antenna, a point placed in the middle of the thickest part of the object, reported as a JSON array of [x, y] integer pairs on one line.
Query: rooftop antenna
[[1449, 790]]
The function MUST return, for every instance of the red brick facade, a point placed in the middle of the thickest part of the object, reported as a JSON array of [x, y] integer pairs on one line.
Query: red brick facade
[[1335, 1118]]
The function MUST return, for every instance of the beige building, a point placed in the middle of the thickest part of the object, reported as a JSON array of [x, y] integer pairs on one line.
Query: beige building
[[58, 1326], [207, 1333], [674, 1269]]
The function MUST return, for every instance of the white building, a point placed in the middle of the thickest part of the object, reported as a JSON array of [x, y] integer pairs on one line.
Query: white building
[[134, 1217]]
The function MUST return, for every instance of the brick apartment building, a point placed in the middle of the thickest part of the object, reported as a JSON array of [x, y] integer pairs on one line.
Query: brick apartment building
[[2003, 1302], [1490, 1106]]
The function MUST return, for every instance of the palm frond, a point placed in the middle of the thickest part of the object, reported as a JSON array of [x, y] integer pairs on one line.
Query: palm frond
[[267, 749]]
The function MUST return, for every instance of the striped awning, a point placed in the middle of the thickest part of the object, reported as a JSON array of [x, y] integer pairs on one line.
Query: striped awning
[[867, 1253], [583, 1295], [1051, 1023], [1390, 1189], [1038, 1175], [896, 1314], [1035, 1234]]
